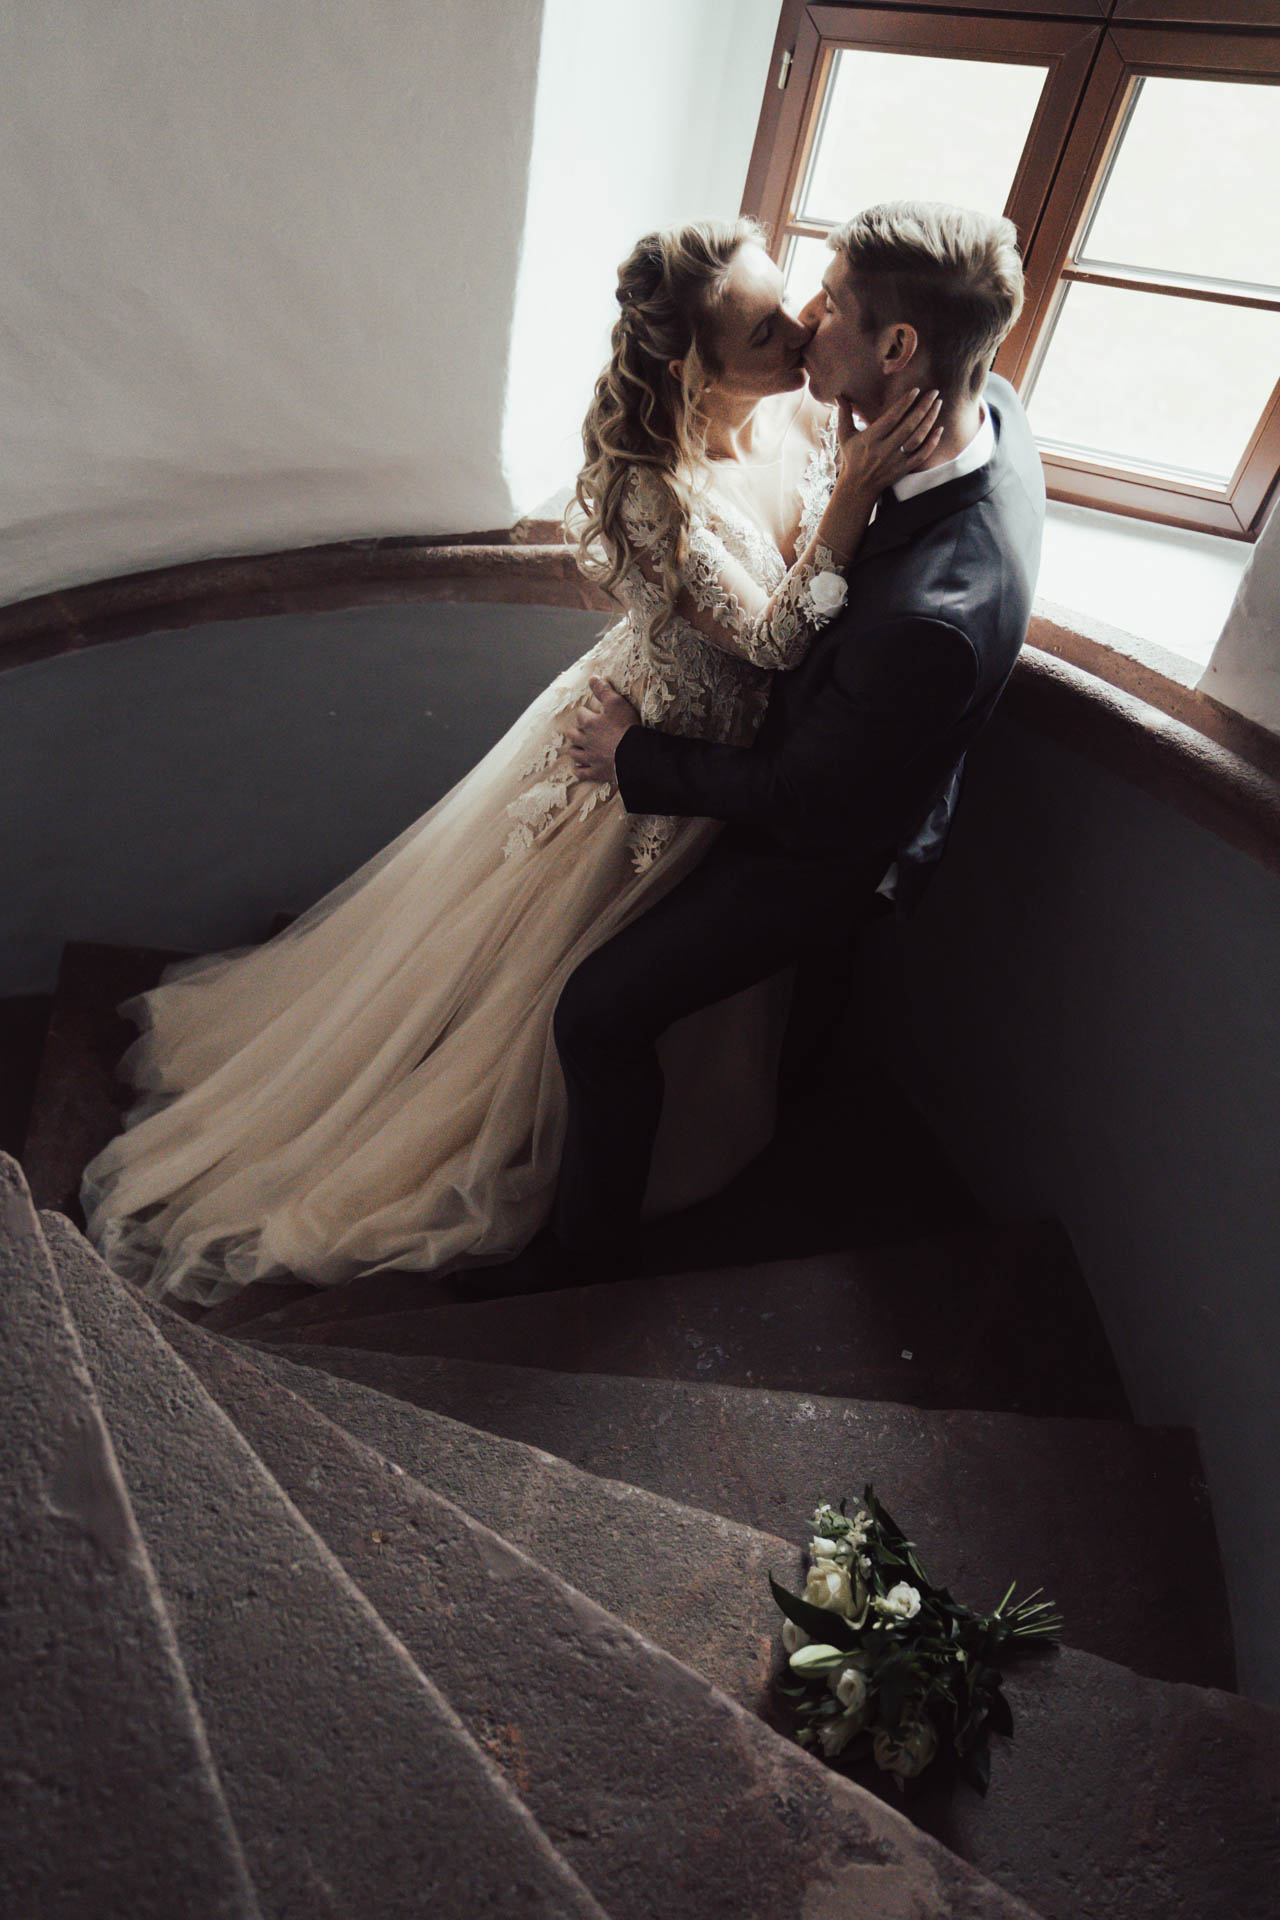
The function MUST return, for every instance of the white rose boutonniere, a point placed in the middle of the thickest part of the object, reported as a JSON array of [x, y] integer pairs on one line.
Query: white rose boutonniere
[[828, 592]]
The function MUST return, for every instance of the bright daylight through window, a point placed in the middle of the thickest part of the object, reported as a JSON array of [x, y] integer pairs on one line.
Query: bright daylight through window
[[1176, 277], [1140, 165], [873, 143]]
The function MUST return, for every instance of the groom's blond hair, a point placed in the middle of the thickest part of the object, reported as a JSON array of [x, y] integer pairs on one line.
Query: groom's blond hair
[[952, 274]]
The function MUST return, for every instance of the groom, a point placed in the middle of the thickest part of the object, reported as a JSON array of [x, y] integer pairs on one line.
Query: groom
[[850, 785]]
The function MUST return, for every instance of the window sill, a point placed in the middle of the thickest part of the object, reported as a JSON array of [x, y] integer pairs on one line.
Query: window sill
[[1160, 594]]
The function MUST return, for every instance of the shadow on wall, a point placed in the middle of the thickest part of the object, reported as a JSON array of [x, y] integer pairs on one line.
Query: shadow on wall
[[257, 511], [179, 790], [1094, 1029]]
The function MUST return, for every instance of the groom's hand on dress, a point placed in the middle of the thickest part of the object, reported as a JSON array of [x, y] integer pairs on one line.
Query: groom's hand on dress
[[595, 732]]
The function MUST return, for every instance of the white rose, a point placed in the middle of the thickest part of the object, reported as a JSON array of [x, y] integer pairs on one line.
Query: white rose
[[828, 1586], [821, 1548], [849, 1685], [908, 1751], [828, 592], [793, 1637], [836, 1734], [900, 1603]]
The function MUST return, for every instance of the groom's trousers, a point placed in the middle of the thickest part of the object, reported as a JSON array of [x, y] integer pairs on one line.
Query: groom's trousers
[[742, 915]]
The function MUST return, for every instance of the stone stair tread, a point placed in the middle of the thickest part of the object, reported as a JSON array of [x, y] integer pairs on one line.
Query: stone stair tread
[[77, 1106], [1099, 1807], [604, 1536], [24, 1024], [999, 1318], [852, 1159], [87, 1643], [982, 1492], [624, 1755], [351, 1781]]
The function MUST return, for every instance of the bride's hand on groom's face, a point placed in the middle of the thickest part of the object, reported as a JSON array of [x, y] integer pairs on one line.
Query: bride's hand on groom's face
[[596, 730], [898, 441]]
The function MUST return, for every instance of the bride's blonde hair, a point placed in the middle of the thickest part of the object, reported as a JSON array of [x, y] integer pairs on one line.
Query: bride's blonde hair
[[643, 415]]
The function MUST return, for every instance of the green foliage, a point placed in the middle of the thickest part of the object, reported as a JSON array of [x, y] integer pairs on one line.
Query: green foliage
[[930, 1664]]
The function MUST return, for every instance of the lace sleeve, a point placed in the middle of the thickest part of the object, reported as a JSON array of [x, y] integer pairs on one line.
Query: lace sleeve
[[721, 600]]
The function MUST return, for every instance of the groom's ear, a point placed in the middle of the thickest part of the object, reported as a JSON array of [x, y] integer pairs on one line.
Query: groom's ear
[[899, 345]]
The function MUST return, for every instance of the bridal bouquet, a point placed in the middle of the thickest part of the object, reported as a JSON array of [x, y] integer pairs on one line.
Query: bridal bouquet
[[885, 1664]]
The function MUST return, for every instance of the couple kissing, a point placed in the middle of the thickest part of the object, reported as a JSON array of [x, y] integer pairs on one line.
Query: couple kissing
[[554, 1004]]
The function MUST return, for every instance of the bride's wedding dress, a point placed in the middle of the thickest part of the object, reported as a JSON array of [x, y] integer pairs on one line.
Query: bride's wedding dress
[[378, 1085]]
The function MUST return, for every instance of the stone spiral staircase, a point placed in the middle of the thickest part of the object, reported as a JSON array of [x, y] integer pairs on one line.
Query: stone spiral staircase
[[371, 1603]]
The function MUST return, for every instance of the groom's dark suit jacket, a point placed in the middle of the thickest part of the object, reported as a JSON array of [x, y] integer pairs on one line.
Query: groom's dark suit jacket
[[857, 763]]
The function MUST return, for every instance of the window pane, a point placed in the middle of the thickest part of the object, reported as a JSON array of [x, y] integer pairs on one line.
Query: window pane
[[896, 126], [1194, 186], [806, 263], [1156, 381]]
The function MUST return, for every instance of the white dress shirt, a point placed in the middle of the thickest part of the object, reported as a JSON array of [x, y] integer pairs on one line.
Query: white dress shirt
[[968, 460]]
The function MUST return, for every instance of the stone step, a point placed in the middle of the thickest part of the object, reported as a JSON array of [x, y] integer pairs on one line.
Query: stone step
[[353, 1784], [853, 1163], [998, 1319], [77, 1105], [624, 1755], [24, 1023], [983, 1492], [89, 1827], [1098, 1809], [711, 1606]]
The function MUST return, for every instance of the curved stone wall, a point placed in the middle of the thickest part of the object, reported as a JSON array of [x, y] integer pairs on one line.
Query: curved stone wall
[[1088, 1013], [1085, 1004]]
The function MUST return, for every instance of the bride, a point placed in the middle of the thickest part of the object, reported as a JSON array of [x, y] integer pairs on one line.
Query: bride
[[377, 1086]]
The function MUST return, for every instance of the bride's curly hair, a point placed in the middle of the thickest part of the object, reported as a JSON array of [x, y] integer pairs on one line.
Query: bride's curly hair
[[643, 415]]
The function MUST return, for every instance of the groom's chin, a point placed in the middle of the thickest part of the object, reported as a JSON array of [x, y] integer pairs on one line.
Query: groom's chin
[[818, 389]]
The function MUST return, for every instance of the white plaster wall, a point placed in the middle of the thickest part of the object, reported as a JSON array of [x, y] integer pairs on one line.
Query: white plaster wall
[[1244, 672], [259, 273], [644, 118]]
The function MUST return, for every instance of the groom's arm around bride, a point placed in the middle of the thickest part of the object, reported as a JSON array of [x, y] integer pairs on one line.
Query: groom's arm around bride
[[856, 767]]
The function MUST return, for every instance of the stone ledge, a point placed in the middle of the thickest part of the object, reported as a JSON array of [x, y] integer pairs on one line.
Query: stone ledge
[[1232, 790], [488, 568], [1133, 713]]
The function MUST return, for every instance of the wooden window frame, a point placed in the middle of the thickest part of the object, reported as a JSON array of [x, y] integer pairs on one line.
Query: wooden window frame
[[1095, 50]]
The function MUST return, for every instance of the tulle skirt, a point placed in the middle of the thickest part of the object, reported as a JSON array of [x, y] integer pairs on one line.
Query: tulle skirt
[[378, 1087]]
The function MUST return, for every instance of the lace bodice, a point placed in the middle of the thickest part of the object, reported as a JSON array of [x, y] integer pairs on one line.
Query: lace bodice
[[740, 616]]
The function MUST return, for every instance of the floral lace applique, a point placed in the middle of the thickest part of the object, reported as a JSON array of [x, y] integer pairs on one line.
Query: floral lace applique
[[802, 602], [817, 481], [712, 694]]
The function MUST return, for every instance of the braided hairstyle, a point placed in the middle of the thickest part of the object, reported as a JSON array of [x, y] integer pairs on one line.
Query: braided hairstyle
[[644, 415]]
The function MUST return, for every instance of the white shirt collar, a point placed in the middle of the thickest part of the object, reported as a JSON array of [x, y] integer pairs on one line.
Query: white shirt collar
[[968, 460]]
